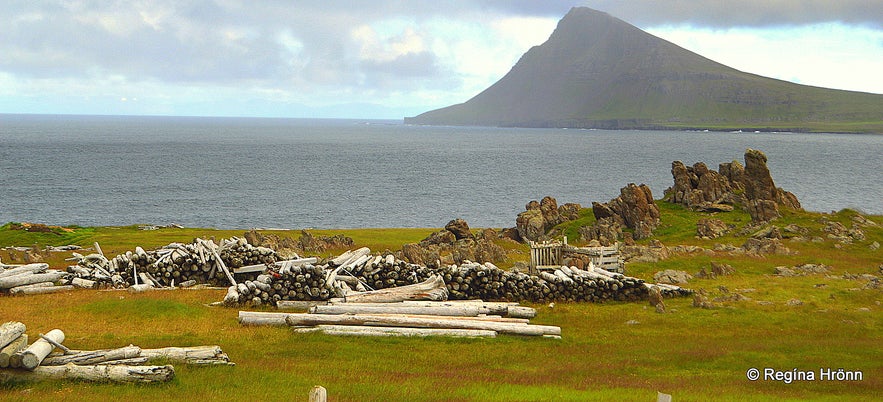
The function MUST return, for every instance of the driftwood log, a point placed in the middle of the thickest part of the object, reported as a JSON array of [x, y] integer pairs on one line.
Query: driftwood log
[[11, 349], [396, 331], [34, 354], [40, 290], [10, 331], [28, 278], [194, 355], [295, 319], [101, 373], [430, 289], [89, 358]]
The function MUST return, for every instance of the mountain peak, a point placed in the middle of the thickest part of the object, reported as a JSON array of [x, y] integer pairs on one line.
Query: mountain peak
[[597, 71]]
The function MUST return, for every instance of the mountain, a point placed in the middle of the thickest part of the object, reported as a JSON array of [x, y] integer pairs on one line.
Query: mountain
[[597, 71]]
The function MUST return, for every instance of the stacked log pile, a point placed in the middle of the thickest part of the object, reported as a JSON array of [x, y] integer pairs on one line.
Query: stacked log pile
[[20, 361], [177, 264], [356, 271], [35, 278], [425, 318]]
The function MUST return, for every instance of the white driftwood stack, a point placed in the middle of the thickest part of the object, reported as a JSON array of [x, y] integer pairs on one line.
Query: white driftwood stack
[[462, 318], [18, 361]]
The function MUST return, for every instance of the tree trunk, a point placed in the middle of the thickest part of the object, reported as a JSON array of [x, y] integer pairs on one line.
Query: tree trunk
[[17, 345], [10, 331], [403, 331], [27, 279], [428, 322], [41, 290], [21, 269], [41, 348], [262, 318], [103, 373], [88, 358], [197, 355], [382, 308], [431, 289]]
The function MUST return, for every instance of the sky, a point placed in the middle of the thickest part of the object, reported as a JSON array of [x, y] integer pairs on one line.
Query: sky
[[378, 59]]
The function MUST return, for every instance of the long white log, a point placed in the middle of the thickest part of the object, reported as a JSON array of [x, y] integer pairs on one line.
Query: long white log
[[42, 290], [20, 269], [461, 311], [17, 345], [84, 283], [34, 354], [99, 373], [88, 358], [27, 279], [431, 289], [297, 304], [377, 320], [350, 255], [262, 318], [403, 331], [196, 355], [508, 309], [10, 331]]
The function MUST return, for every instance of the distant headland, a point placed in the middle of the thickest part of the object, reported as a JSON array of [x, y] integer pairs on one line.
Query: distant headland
[[597, 71]]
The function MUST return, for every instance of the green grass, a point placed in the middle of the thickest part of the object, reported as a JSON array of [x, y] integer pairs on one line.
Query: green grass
[[693, 354]]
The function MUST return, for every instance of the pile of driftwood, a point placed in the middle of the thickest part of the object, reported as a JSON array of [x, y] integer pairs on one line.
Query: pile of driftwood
[[470, 318], [20, 361], [37, 278], [174, 265], [358, 271]]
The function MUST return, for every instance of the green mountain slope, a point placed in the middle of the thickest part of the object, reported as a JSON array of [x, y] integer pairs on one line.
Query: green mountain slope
[[597, 71]]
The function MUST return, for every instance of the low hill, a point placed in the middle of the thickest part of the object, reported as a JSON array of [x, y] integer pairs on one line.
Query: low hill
[[597, 71]]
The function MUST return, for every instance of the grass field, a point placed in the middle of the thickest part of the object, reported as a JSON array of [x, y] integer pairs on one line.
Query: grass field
[[611, 351]]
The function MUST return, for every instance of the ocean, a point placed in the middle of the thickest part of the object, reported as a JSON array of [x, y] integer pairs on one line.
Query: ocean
[[240, 173]]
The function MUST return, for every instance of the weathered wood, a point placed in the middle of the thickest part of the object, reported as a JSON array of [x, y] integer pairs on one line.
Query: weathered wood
[[262, 318], [84, 283], [297, 304], [41, 290], [99, 373], [377, 320], [22, 269], [318, 394], [34, 354], [232, 296], [355, 330], [465, 310], [195, 355], [27, 279], [10, 331], [17, 345], [507, 309], [431, 289], [88, 358], [143, 287]]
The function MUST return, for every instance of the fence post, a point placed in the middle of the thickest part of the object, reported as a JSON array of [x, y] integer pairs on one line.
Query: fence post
[[318, 394]]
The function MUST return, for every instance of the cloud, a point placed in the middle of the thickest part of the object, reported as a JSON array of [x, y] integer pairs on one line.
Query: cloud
[[318, 53], [743, 13]]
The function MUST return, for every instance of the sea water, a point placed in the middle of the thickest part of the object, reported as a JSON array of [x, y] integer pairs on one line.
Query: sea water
[[240, 173]]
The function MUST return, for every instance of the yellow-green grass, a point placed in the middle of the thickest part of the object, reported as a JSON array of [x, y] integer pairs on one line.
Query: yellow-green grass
[[694, 354]]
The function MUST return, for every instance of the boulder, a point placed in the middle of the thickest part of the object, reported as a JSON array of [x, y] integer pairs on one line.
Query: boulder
[[720, 269], [711, 228], [459, 228], [672, 276], [531, 225], [605, 231], [440, 237], [765, 246], [634, 208]]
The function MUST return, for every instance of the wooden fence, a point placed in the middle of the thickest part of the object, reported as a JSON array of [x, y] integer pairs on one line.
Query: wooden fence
[[550, 255]]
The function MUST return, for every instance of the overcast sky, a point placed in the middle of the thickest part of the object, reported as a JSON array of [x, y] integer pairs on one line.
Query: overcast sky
[[380, 59]]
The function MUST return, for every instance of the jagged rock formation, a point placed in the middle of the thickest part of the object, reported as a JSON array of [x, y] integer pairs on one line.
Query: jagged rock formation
[[454, 245], [634, 208], [751, 186], [540, 217]]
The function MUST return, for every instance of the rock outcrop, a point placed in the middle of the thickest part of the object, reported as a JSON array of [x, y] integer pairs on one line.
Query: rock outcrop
[[634, 208], [751, 186], [540, 217], [454, 245]]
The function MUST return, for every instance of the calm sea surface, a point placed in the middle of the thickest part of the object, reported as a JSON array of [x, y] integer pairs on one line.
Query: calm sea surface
[[289, 173]]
